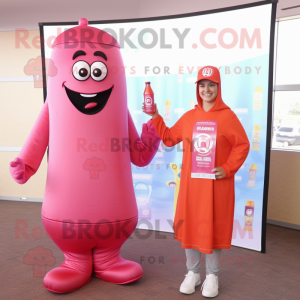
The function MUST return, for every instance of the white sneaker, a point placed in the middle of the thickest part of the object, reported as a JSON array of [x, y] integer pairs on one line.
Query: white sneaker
[[210, 286], [190, 282]]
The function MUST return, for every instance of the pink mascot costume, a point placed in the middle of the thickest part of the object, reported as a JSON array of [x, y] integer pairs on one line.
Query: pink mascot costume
[[89, 207]]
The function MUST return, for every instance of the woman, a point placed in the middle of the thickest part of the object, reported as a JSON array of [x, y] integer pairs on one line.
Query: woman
[[205, 208]]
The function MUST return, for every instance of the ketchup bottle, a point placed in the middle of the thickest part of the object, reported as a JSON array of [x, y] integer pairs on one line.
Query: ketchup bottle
[[149, 99]]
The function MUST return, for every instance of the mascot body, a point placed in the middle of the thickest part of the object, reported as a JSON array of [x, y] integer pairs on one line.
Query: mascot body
[[89, 207]]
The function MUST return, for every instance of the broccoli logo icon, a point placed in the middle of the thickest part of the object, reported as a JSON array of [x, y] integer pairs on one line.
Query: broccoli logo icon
[[39, 258], [34, 68], [94, 165]]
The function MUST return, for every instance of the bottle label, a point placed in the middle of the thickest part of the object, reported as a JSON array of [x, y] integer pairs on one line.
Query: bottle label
[[256, 139], [257, 99], [248, 218], [251, 178], [149, 103]]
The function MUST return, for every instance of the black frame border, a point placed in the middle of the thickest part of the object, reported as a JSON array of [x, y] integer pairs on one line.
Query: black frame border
[[43, 62], [269, 127]]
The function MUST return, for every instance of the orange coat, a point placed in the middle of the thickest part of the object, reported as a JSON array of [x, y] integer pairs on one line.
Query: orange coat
[[205, 207]]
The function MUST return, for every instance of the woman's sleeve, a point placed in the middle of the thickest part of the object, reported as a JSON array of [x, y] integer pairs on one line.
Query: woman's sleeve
[[240, 147], [170, 136]]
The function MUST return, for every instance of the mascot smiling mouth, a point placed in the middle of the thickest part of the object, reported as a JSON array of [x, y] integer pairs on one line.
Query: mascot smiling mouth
[[89, 104]]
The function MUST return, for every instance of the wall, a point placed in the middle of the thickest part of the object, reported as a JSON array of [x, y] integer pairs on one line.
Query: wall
[[284, 187], [27, 14], [20, 105]]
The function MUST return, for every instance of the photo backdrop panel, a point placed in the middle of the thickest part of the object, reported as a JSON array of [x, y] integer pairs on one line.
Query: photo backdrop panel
[[169, 53]]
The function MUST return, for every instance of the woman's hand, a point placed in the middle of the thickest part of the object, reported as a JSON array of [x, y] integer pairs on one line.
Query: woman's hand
[[220, 172], [154, 115]]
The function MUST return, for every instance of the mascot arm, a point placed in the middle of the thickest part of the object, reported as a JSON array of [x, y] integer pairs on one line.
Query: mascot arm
[[31, 155], [142, 150]]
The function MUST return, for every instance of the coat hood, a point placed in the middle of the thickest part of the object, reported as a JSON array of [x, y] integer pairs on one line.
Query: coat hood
[[213, 74]]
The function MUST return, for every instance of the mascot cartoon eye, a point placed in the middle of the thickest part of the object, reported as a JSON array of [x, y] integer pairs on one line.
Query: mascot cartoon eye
[[81, 70], [99, 71]]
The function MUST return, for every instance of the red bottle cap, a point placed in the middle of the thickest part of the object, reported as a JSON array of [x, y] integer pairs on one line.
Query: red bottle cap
[[148, 82]]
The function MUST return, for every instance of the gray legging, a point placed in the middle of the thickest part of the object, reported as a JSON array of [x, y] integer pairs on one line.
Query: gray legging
[[212, 261]]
